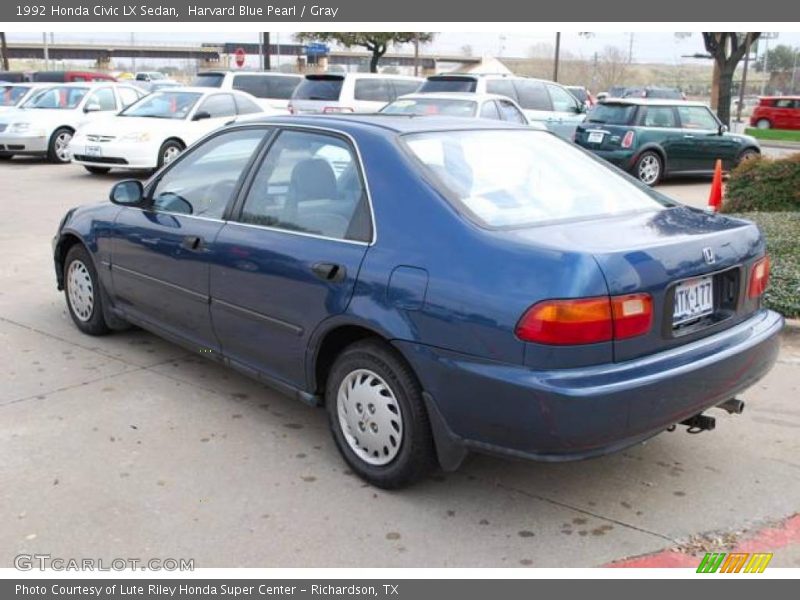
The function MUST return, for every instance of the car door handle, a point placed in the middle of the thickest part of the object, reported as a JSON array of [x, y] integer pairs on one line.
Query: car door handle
[[329, 271], [689, 137], [192, 242]]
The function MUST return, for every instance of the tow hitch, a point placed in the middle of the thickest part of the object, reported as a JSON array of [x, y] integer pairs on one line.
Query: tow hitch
[[701, 422]]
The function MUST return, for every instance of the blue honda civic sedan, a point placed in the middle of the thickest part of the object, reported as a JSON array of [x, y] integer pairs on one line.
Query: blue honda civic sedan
[[439, 285]]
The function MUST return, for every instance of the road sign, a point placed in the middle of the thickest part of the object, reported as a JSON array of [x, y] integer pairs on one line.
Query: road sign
[[240, 57], [317, 49]]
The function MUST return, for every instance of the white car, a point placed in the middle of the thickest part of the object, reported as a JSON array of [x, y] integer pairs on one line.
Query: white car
[[460, 104], [46, 122], [349, 92], [155, 130], [14, 95], [271, 89]]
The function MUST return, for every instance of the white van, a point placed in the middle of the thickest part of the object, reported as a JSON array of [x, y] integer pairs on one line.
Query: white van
[[349, 92], [272, 90]]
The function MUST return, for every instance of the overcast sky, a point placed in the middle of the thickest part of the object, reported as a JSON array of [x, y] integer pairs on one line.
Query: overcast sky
[[647, 46]]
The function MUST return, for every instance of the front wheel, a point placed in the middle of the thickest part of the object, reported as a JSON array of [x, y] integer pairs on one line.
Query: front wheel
[[97, 170], [82, 291], [378, 417], [168, 152], [57, 148], [648, 168]]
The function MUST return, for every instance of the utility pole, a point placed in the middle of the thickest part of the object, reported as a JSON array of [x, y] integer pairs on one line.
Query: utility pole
[[4, 50], [743, 84], [630, 48], [416, 54], [556, 58], [794, 68], [265, 49]]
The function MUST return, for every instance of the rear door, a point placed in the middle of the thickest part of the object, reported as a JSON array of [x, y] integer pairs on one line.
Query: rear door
[[782, 113], [567, 110], [290, 258]]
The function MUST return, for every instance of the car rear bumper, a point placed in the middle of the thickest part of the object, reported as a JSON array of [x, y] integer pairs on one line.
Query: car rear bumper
[[571, 414], [621, 158]]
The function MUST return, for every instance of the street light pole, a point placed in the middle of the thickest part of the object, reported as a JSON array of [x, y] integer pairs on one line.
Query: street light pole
[[416, 54], [46, 52], [557, 56]]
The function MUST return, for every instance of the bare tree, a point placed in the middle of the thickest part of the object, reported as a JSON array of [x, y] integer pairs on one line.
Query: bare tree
[[727, 49], [4, 50], [376, 42], [612, 67]]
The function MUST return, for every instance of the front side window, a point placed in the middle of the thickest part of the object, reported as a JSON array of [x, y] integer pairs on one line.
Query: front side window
[[202, 183], [696, 117], [217, 106], [61, 97], [372, 90], [310, 183], [514, 178], [563, 101], [163, 105], [511, 113], [659, 116]]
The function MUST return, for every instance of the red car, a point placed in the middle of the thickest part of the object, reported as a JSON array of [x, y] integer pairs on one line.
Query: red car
[[777, 112]]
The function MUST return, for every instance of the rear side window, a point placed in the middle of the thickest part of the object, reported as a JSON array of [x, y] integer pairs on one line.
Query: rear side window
[[219, 105], [511, 113], [532, 95], [404, 86], [373, 90], [659, 116], [208, 80], [786, 103], [319, 88], [489, 110], [449, 84], [266, 86], [501, 87], [612, 114], [245, 106], [696, 117]]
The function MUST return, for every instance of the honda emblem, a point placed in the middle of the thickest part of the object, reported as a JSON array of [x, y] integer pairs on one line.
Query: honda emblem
[[708, 254]]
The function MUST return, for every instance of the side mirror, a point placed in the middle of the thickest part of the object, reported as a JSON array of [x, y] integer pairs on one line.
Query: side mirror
[[200, 115], [723, 129], [92, 108], [129, 192], [580, 109]]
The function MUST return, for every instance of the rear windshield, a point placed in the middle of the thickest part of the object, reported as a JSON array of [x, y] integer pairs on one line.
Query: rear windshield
[[449, 84], [612, 114], [11, 94], [319, 88], [266, 86], [208, 80], [514, 178], [431, 106]]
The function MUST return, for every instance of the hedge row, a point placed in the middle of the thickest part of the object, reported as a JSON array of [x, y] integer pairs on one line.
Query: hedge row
[[763, 184]]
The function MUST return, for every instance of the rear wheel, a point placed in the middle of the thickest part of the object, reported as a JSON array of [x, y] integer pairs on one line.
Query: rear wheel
[[57, 148], [378, 417], [82, 291], [97, 170], [648, 168], [169, 151], [747, 154], [763, 124]]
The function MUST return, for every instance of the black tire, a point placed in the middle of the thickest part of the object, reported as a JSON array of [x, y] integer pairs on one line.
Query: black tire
[[54, 152], [165, 148], [97, 170], [763, 124], [6, 156], [649, 168], [747, 154], [90, 321], [416, 455]]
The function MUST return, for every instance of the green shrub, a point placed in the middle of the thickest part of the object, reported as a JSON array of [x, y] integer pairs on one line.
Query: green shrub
[[764, 184]]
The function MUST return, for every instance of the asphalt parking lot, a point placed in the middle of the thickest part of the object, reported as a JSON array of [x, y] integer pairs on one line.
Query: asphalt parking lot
[[128, 446]]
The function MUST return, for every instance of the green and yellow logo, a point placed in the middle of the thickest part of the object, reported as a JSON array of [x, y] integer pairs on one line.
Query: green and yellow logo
[[735, 562]]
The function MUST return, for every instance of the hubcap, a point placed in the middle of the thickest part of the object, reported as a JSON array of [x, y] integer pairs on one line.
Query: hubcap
[[170, 154], [763, 124], [649, 169], [369, 417], [62, 141], [80, 290]]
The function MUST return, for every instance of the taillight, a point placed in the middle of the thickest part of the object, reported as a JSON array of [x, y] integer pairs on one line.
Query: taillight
[[759, 278], [337, 109], [586, 320], [627, 141]]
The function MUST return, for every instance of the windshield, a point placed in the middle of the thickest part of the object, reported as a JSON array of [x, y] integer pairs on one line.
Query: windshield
[[449, 84], [60, 97], [11, 94], [319, 88], [208, 80], [613, 114], [508, 178], [163, 105], [431, 106]]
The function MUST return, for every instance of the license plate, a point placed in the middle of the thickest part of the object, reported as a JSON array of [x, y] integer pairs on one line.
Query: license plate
[[595, 137], [693, 299], [94, 151]]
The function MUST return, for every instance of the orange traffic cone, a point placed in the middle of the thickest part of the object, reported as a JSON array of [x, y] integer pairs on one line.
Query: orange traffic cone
[[715, 197]]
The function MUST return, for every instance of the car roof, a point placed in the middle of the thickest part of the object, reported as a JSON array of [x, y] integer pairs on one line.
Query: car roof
[[344, 75], [471, 96], [202, 90], [232, 72], [653, 102], [786, 97], [382, 123]]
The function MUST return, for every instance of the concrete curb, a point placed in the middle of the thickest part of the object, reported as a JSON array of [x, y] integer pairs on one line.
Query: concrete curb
[[778, 144], [792, 326]]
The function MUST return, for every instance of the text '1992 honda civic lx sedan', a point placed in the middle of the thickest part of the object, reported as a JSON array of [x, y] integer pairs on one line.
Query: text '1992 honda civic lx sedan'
[[440, 285]]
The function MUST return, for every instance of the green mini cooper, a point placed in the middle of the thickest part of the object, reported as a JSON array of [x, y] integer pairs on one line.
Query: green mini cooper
[[654, 138]]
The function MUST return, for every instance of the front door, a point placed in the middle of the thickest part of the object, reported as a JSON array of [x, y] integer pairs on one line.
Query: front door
[[703, 141], [569, 111], [291, 258], [160, 255]]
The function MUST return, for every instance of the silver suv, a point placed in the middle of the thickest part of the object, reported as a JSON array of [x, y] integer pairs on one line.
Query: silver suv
[[544, 101]]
